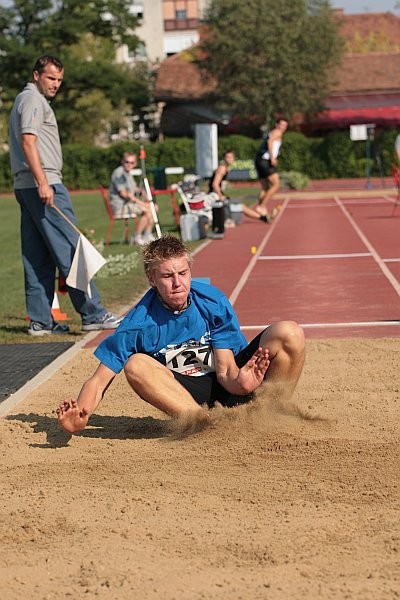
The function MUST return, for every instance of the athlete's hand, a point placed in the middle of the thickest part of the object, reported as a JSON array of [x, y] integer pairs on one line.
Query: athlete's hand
[[70, 417], [252, 374]]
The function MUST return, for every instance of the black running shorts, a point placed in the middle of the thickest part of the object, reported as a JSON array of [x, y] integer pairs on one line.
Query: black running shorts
[[206, 389], [264, 168]]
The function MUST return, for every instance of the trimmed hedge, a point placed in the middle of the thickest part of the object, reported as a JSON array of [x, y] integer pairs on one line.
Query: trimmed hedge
[[6, 183], [334, 156]]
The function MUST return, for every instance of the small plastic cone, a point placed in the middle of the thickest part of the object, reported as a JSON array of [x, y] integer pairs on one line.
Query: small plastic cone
[[56, 311]]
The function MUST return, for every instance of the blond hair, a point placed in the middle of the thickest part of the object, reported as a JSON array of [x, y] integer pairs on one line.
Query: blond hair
[[166, 247]]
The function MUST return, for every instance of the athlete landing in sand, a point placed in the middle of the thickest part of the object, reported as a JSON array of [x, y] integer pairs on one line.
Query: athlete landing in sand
[[182, 350]]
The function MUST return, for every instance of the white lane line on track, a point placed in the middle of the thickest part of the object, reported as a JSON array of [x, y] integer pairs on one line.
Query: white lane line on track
[[368, 201], [312, 205], [329, 325], [313, 256], [385, 260], [301, 203], [387, 273], [390, 199], [246, 273]]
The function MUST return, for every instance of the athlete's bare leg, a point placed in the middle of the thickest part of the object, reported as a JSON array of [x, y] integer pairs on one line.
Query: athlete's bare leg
[[155, 384], [273, 188], [264, 188], [286, 345], [249, 212]]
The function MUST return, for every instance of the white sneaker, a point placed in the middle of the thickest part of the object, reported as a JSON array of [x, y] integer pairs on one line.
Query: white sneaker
[[107, 321], [148, 237], [37, 329], [139, 241]]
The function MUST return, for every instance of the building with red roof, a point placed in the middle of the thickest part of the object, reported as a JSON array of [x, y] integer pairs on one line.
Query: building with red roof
[[366, 88]]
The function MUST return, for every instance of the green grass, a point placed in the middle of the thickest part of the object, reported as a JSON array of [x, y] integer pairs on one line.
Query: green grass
[[117, 291]]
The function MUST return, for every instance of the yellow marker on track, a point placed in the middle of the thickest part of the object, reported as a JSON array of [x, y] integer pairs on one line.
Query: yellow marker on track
[[253, 249]]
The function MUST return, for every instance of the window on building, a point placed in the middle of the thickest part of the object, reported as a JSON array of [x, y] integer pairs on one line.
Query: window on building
[[134, 56], [140, 52], [180, 15], [136, 9]]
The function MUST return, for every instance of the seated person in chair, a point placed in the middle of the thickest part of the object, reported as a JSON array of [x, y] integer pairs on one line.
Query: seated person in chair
[[126, 202]]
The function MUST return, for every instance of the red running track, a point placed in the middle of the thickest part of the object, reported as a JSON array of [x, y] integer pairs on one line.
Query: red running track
[[330, 261]]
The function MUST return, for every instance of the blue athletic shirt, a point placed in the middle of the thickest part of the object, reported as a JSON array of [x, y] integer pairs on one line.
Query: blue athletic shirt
[[183, 342]]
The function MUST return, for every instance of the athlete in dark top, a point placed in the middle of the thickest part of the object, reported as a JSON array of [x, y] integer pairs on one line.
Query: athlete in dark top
[[266, 161], [220, 175]]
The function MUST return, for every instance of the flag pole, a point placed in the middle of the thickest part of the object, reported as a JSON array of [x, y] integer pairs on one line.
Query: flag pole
[[66, 218], [86, 262], [142, 156]]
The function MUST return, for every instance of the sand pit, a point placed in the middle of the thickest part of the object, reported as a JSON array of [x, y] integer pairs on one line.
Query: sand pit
[[271, 502]]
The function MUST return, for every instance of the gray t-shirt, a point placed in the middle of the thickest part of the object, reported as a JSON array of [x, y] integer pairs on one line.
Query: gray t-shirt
[[121, 180], [33, 114]]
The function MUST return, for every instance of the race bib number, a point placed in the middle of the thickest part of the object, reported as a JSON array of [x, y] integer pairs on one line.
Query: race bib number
[[191, 360]]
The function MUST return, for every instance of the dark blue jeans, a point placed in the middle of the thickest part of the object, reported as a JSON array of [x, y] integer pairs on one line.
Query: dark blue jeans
[[47, 242]]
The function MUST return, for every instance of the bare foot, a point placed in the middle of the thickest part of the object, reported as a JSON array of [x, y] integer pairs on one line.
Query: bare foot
[[261, 210], [229, 223], [274, 212]]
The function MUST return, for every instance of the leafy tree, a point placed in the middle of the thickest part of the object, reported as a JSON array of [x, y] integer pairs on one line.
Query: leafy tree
[[271, 56], [84, 36]]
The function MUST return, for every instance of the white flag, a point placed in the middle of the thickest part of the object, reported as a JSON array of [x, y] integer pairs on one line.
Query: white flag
[[85, 264]]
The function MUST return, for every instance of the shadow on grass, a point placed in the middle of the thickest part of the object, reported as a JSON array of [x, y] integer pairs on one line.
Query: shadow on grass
[[14, 329], [104, 427]]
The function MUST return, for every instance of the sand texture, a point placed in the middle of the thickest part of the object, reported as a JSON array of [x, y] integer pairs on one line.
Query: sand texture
[[274, 501]]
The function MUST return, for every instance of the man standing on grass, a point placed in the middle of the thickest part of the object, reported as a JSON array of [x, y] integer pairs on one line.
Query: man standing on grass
[[182, 350], [48, 241]]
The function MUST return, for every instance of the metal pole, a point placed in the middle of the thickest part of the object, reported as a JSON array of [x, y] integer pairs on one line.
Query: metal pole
[[379, 163], [368, 155], [142, 156]]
